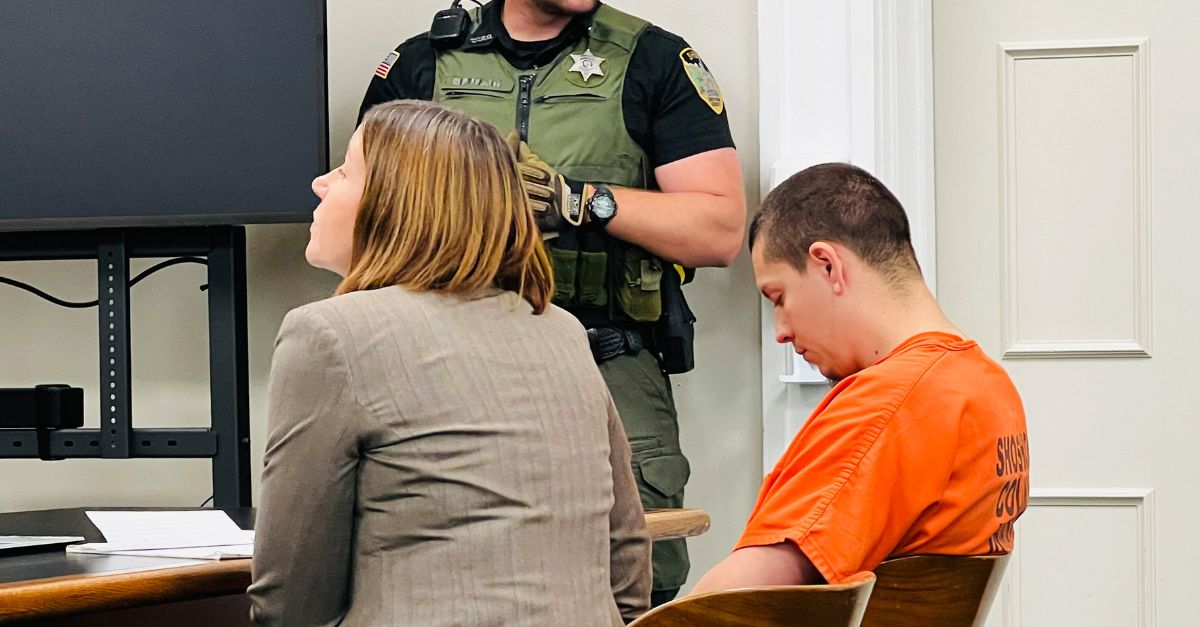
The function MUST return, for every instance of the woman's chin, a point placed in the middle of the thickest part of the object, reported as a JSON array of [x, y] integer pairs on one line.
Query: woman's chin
[[311, 256]]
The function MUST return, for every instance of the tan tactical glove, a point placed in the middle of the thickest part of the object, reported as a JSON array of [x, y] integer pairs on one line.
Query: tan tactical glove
[[555, 207]]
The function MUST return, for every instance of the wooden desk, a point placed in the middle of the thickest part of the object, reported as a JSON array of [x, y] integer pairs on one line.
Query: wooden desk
[[52, 584], [44, 585], [668, 524]]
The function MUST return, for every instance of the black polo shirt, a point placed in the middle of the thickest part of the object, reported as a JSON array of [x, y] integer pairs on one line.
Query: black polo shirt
[[663, 110]]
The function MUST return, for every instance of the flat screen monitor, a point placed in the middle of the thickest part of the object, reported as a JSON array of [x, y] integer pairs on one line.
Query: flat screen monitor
[[118, 113]]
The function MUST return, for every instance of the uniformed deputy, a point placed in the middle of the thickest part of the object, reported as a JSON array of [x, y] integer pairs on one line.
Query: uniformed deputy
[[623, 130]]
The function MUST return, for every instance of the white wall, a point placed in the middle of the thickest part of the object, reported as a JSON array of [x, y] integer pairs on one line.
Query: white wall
[[719, 403], [865, 98]]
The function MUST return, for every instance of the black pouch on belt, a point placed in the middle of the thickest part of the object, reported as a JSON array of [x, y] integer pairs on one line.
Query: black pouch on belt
[[674, 333]]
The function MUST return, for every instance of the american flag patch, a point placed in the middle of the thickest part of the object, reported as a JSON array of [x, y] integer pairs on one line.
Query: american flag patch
[[386, 66]]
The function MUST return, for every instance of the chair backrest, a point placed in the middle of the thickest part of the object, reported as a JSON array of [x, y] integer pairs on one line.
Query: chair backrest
[[943, 590], [839, 605]]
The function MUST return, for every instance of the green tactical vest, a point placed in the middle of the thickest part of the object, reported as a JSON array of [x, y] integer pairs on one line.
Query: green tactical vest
[[576, 125]]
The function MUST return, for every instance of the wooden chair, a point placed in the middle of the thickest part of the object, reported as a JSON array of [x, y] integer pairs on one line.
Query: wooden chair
[[942, 590], [840, 605]]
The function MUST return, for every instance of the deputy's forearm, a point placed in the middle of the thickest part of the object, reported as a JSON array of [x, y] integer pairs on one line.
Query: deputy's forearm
[[695, 229]]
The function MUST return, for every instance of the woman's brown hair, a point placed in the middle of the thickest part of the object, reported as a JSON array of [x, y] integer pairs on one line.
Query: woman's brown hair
[[443, 209]]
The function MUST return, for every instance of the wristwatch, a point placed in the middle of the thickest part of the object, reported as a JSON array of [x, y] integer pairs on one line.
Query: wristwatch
[[601, 205]]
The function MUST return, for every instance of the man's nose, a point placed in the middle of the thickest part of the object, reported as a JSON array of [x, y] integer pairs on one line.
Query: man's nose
[[783, 334]]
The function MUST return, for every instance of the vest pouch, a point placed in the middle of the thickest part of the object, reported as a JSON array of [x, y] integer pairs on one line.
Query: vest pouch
[[565, 262], [593, 268], [639, 295]]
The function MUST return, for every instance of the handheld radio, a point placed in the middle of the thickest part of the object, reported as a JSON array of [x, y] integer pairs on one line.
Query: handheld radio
[[450, 26]]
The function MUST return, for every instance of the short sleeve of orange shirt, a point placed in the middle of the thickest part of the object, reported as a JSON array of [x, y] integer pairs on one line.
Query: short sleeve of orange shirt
[[924, 452]]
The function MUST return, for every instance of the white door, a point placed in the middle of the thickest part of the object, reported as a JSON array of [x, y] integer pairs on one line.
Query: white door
[[1068, 214]]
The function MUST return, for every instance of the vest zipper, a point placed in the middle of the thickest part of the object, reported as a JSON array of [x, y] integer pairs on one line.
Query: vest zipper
[[524, 99], [553, 97], [458, 93]]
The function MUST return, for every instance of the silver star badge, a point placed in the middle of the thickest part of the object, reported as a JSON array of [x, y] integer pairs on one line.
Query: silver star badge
[[587, 64]]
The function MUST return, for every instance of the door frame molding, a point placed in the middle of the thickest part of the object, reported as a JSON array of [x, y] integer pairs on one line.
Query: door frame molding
[[842, 81]]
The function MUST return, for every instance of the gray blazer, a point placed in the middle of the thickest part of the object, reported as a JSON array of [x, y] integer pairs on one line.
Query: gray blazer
[[433, 460]]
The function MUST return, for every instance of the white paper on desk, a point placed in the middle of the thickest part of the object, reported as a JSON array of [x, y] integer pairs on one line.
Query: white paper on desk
[[12, 543], [156, 530], [227, 552]]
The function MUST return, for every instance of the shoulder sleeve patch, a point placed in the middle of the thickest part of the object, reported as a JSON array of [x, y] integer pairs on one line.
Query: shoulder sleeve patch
[[703, 80], [385, 67]]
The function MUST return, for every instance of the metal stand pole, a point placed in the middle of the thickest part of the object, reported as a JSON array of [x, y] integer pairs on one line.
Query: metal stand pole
[[229, 370]]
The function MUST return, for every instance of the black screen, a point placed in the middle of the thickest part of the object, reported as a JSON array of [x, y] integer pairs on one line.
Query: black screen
[[160, 112]]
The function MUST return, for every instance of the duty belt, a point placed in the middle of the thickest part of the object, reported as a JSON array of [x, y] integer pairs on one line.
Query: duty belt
[[610, 342]]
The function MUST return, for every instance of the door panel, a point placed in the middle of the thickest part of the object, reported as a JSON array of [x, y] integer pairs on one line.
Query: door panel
[[1066, 142]]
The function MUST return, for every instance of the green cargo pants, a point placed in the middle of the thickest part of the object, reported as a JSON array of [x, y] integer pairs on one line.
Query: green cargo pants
[[643, 397]]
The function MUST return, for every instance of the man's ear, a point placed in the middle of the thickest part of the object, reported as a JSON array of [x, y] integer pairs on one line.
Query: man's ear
[[825, 258]]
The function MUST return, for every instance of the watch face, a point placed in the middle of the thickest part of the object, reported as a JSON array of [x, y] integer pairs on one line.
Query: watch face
[[603, 206]]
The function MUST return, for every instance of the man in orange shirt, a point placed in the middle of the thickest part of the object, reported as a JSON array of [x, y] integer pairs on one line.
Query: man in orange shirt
[[920, 447]]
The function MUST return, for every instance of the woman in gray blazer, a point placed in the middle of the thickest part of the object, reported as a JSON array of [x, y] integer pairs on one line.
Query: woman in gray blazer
[[441, 447]]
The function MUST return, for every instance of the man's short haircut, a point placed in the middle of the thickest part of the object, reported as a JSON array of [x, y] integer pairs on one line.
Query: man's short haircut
[[836, 202]]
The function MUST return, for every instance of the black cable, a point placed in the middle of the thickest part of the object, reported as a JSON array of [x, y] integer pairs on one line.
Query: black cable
[[92, 303], [206, 501], [167, 264], [36, 292]]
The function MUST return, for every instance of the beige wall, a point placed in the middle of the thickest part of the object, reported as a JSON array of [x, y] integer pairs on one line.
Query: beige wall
[[719, 403]]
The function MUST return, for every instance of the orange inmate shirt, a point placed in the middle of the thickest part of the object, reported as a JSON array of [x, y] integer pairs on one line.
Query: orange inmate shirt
[[924, 452]]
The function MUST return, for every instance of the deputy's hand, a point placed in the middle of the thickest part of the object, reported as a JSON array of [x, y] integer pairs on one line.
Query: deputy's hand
[[548, 191]]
